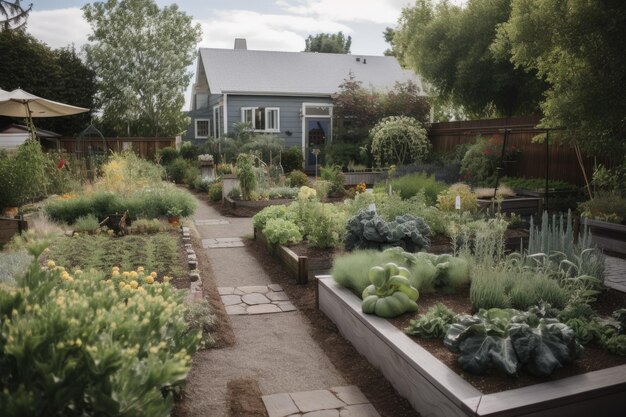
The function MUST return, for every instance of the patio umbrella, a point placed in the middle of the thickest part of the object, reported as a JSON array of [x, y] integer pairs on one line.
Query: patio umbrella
[[19, 103]]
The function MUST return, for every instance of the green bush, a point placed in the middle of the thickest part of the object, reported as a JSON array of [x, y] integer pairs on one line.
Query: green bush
[[433, 324], [167, 155], [483, 157], [291, 159], [22, 175], [283, 232], [13, 265], [88, 224], [182, 171], [189, 151], [245, 174], [283, 192], [328, 227], [334, 175], [398, 140], [410, 185], [446, 199], [298, 178], [260, 219], [351, 271], [79, 344], [149, 226], [215, 191], [605, 207], [343, 154]]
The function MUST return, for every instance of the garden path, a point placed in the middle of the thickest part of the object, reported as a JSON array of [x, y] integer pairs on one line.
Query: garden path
[[274, 349], [615, 273]]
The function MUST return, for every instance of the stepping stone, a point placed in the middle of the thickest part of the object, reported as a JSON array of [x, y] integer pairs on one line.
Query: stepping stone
[[360, 410], [225, 290], [185, 229], [315, 400], [194, 276], [192, 257], [211, 222], [254, 299], [321, 413], [238, 292], [275, 287], [190, 251], [192, 264], [277, 296], [350, 395], [225, 245], [261, 289], [286, 306], [228, 239], [230, 300], [279, 405], [263, 309], [235, 310]]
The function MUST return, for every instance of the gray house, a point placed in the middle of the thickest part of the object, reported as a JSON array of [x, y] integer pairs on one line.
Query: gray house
[[284, 93]]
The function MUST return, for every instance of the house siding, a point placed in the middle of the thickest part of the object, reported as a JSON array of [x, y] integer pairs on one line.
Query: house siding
[[290, 108], [204, 112]]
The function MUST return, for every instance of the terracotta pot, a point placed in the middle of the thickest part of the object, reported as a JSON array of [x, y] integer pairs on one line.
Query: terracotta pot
[[10, 211]]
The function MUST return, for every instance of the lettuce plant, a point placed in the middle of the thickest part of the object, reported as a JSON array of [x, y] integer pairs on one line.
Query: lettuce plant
[[391, 293], [432, 325]]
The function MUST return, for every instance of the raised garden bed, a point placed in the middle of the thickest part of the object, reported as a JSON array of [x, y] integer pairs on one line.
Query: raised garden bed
[[523, 206], [610, 237], [355, 178], [300, 267], [434, 389]]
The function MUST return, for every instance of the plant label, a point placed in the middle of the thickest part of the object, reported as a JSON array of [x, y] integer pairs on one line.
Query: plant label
[[372, 207], [457, 202]]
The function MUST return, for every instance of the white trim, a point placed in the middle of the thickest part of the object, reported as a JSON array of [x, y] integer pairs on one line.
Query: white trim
[[216, 123], [225, 111], [304, 117], [277, 128], [195, 130], [266, 111], [252, 111]]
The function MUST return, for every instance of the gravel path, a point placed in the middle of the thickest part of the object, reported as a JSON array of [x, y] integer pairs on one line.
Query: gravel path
[[276, 349]]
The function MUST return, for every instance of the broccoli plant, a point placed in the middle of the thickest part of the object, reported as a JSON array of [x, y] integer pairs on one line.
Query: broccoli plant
[[390, 294]]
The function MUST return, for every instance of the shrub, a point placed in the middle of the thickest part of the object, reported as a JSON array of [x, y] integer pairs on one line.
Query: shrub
[[328, 227], [397, 140], [334, 175], [411, 185], [351, 271], [189, 151], [291, 159], [200, 318], [283, 232], [447, 199], [298, 179], [323, 188], [126, 173], [22, 175], [344, 154], [488, 289], [605, 207], [110, 344], [483, 157], [167, 155], [215, 191], [178, 170], [283, 192], [88, 224], [148, 226], [270, 212], [13, 265], [245, 174], [447, 173]]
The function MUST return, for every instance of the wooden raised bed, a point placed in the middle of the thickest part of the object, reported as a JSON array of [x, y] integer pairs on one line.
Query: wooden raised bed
[[523, 207], [355, 178], [610, 237], [10, 227], [299, 267], [433, 389]]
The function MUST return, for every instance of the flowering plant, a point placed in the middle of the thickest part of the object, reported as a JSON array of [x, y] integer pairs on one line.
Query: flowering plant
[[483, 158], [205, 157], [306, 193]]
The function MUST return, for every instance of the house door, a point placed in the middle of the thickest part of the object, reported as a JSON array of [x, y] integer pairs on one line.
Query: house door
[[317, 135]]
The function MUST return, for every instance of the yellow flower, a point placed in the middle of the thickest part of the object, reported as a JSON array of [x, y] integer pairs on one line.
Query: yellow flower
[[133, 274], [154, 350], [79, 342], [149, 279], [125, 273], [78, 272], [167, 278], [115, 268], [134, 284], [140, 269], [115, 273], [51, 264], [153, 274], [122, 284]]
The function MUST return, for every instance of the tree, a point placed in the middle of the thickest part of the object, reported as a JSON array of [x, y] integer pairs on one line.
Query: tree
[[578, 48], [140, 54], [57, 75], [399, 140], [388, 34], [13, 15], [332, 43], [450, 47]]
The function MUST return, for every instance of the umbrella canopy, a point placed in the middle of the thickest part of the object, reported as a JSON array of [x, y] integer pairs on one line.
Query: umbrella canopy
[[19, 103]]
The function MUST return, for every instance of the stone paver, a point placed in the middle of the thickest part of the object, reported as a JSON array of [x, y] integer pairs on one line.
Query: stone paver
[[615, 273], [210, 222], [316, 400], [340, 401], [251, 299], [275, 287], [226, 242]]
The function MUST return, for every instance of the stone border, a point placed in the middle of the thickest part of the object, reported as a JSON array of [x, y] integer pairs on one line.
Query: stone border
[[195, 288], [433, 389]]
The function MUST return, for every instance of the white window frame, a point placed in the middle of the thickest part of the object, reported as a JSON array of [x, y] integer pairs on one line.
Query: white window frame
[[303, 116], [217, 123], [208, 132], [267, 111]]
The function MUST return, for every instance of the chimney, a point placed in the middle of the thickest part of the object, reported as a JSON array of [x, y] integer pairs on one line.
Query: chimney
[[240, 43]]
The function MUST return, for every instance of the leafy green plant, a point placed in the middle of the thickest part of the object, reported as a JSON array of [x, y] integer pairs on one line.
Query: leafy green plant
[[397, 140], [260, 219], [351, 270], [616, 344], [167, 155], [368, 230], [323, 187], [446, 200], [200, 318], [333, 175], [432, 325], [148, 226], [483, 158], [215, 191], [509, 340], [88, 223], [283, 192], [605, 207], [181, 171], [586, 331], [283, 232], [390, 293], [298, 178], [245, 174], [13, 264], [23, 177], [410, 185], [328, 227], [291, 159]]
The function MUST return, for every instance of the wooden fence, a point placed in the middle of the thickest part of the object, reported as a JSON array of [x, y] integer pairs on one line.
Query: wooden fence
[[563, 165], [146, 147]]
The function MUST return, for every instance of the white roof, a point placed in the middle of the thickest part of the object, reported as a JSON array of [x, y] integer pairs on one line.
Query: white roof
[[297, 73]]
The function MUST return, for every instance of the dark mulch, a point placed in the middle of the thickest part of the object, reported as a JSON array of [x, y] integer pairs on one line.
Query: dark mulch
[[592, 359], [355, 369], [244, 398], [303, 249]]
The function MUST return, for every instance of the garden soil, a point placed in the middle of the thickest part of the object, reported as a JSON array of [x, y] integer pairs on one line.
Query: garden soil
[[271, 353]]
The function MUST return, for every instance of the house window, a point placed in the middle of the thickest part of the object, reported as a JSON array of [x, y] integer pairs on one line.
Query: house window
[[217, 121], [202, 128], [264, 119]]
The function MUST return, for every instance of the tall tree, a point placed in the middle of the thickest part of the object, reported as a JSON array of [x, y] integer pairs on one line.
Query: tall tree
[[578, 48], [332, 43], [57, 75], [13, 15], [141, 54], [450, 47], [388, 34]]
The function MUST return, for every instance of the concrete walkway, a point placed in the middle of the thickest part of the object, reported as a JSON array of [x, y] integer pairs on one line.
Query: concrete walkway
[[275, 349], [615, 273]]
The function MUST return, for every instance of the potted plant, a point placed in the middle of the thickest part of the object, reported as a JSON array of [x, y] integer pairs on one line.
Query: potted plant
[[173, 215]]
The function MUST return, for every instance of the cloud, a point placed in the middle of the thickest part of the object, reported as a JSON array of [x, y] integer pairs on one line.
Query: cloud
[[381, 11], [60, 27], [263, 31]]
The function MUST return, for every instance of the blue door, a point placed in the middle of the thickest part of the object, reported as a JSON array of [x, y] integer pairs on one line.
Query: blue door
[[317, 135]]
